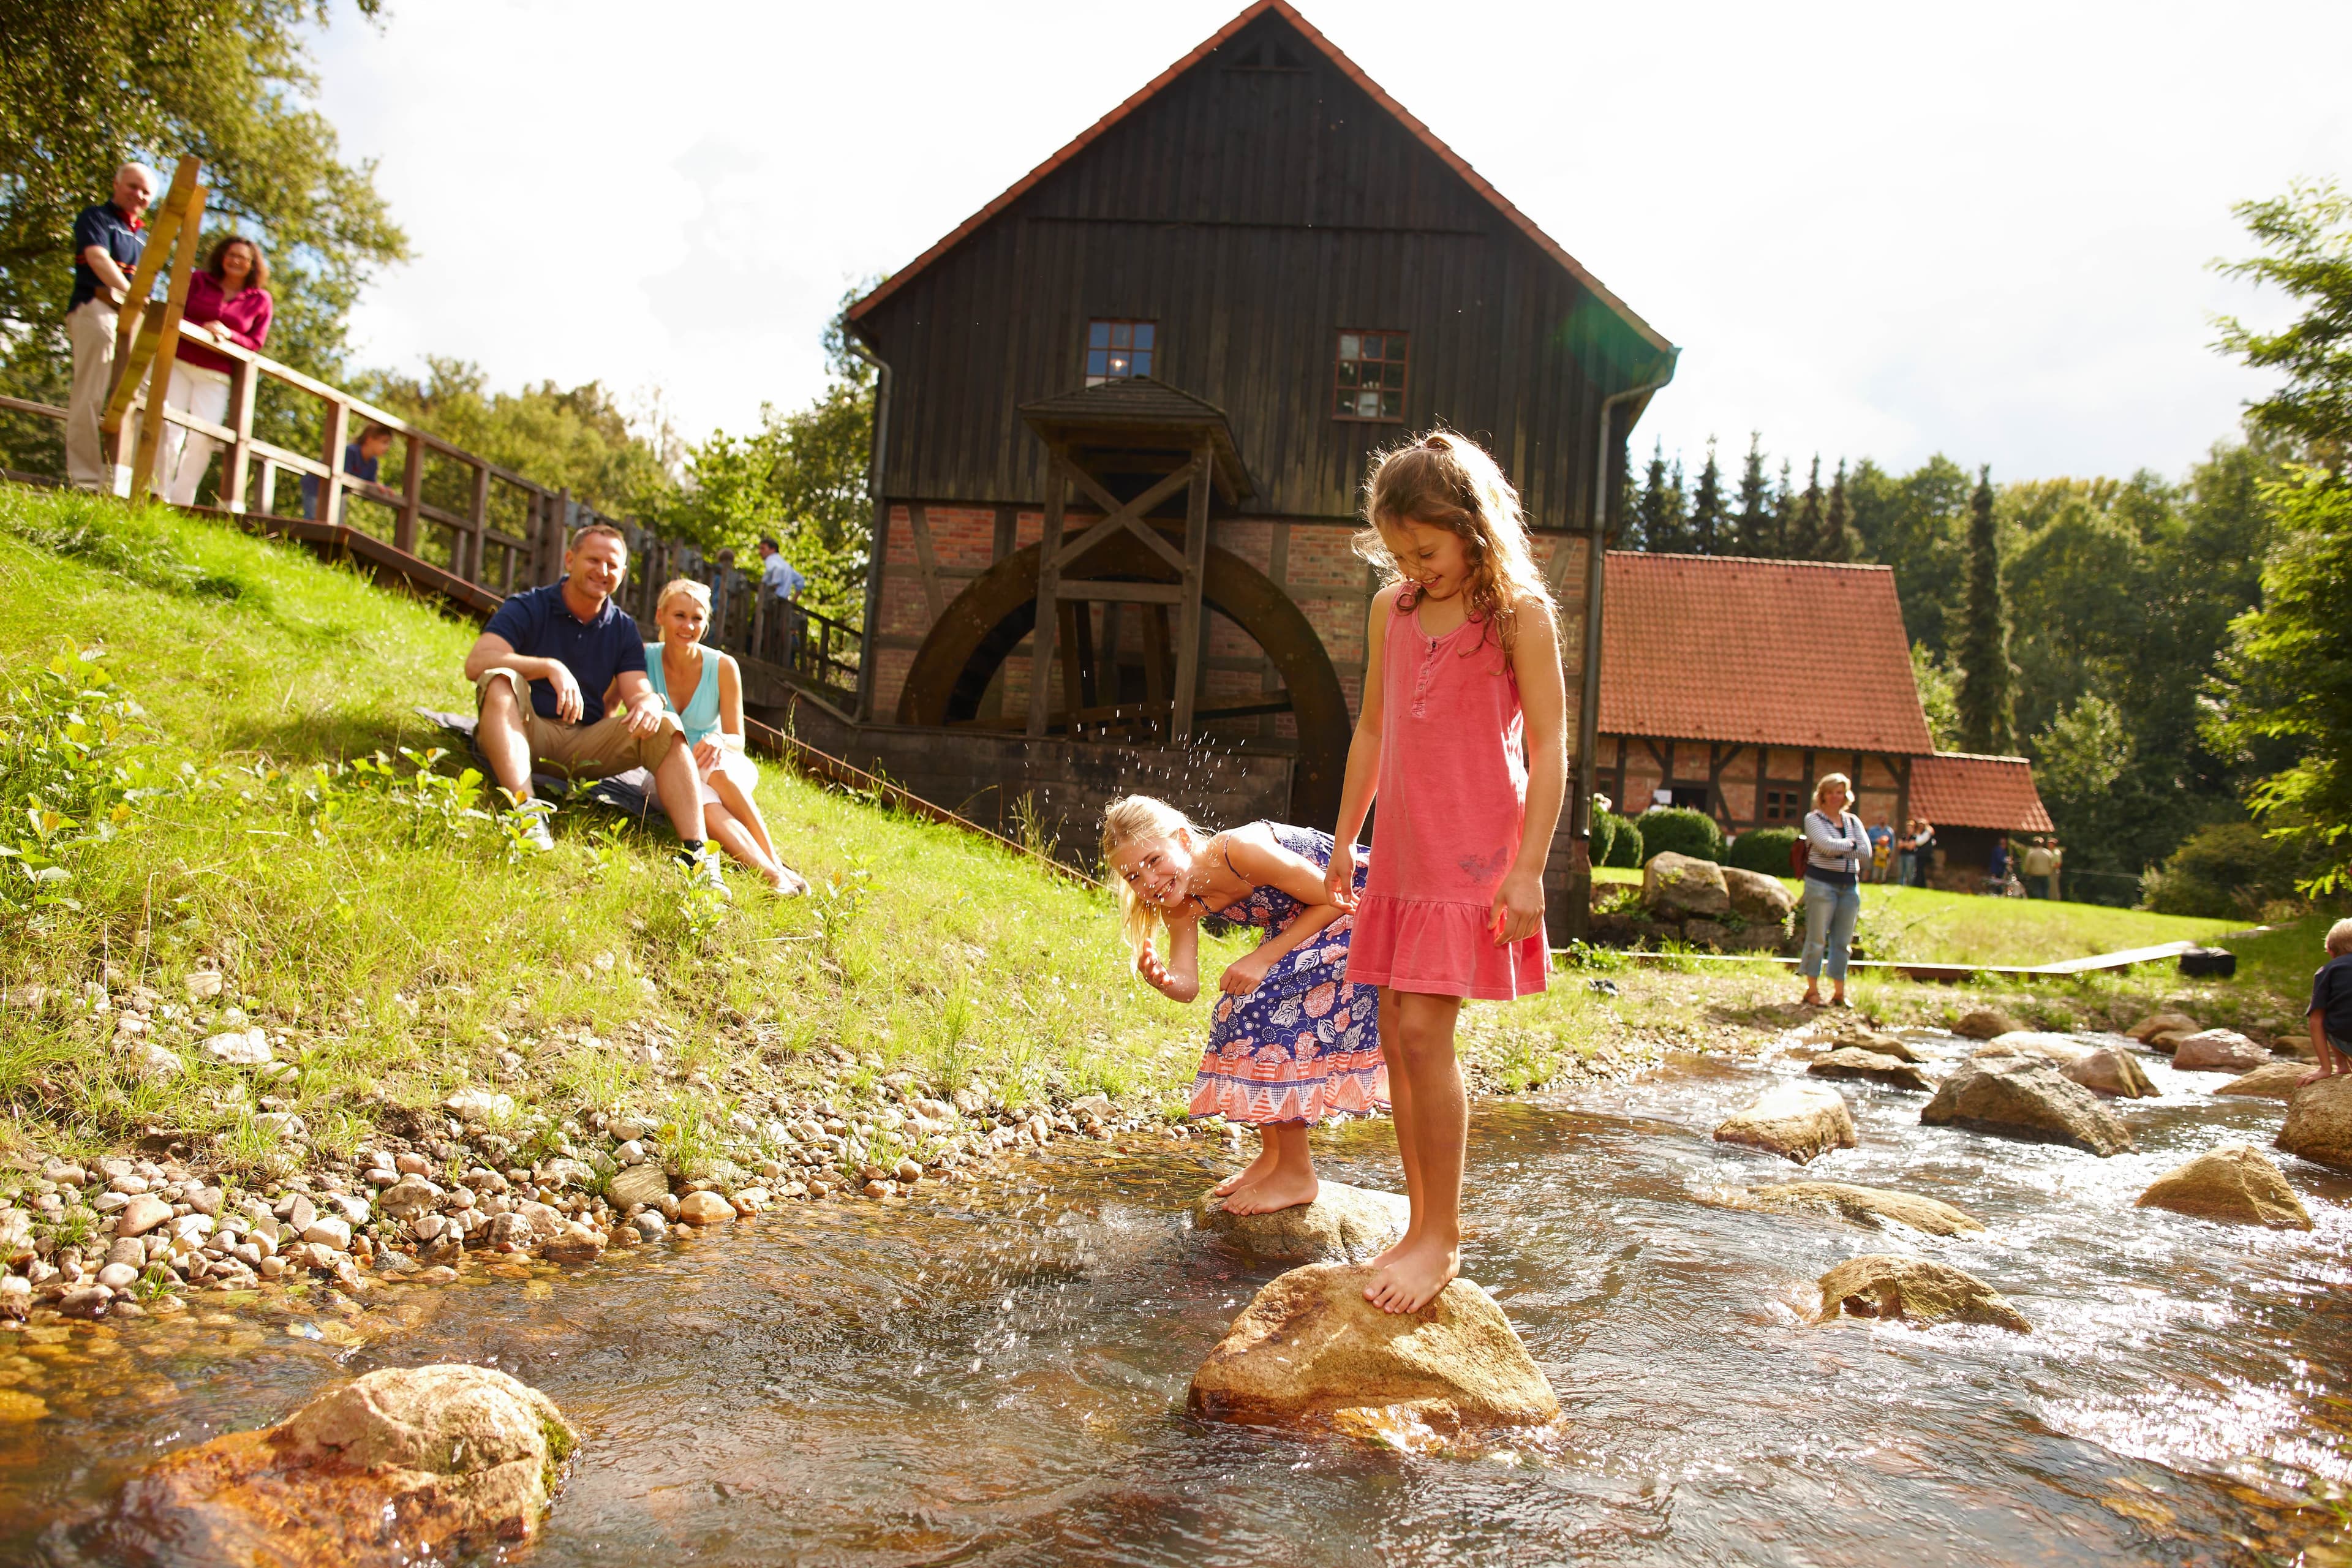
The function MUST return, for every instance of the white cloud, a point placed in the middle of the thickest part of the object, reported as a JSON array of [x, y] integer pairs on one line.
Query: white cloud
[[1876, 230]]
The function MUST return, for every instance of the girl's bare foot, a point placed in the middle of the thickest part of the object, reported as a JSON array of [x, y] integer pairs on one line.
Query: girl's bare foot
[[1412, 1275], [787, 884], [2314, 1076], [1281, 1188], [1245, 1175]]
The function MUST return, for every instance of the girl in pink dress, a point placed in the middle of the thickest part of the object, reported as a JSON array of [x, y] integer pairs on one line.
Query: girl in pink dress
[[1462, 737]]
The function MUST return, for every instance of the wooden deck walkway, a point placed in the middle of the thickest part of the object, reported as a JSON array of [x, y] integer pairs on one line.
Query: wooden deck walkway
[[2096, 964]]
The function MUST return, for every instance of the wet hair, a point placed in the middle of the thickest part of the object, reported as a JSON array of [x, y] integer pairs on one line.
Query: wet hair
[[1125, 820], [257, 279], [2339, 939], [1821, 786], [1447, 480], [609, 530], [699, 593]]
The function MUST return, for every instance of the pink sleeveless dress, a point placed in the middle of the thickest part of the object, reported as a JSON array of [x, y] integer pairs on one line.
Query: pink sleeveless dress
[[1451, 808]]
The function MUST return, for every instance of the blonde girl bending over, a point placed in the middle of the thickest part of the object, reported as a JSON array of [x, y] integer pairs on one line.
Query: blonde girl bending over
[[703, 686], [1462, 737]]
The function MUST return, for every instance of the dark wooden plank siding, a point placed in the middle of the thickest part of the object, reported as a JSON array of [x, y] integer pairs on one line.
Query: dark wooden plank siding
[[1254, 214]]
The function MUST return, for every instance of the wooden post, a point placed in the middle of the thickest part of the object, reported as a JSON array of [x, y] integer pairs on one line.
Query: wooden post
[[927, 561], [268, 488], [1049, 594], [412, 496], [474, 569], [1189, 624], [167, 347], [337, 433], [240, 451]]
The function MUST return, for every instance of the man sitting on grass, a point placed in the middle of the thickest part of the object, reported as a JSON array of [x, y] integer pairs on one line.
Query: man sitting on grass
[[568, 643]]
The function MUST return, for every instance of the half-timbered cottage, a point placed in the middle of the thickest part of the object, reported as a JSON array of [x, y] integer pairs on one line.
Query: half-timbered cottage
[[1126, 413]]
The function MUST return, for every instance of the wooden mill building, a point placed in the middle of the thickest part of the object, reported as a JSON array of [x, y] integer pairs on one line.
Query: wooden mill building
[[1126, 414]]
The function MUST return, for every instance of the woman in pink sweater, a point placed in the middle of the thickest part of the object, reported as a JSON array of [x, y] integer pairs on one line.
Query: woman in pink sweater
[[228, 302]]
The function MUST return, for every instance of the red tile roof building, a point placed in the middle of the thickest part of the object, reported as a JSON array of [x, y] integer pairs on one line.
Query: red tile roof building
[[1731, 684]]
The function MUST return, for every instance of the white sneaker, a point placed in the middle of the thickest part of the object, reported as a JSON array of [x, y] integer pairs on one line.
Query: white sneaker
[[535, 833], [702, 873]]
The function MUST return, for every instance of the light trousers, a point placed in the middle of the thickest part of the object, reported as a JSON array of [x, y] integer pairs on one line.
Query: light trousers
[[1830, 914], [183, 456], [90, 328]]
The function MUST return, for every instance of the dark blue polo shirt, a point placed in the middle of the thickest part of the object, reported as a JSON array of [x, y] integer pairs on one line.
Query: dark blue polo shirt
[[102, 226], [2331, 997], [537, 624]]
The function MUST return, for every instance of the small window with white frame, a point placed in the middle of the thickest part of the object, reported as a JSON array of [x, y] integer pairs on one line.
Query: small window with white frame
[[1370, 375]]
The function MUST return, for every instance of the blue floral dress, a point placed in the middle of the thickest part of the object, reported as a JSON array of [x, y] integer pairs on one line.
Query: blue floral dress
[[1305, 1045]]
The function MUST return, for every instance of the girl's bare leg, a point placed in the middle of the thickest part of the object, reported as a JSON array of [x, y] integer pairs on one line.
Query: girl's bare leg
[[739, 804], [737, 840], [1423, 1072], [1251, 1172], [1292, 1179]]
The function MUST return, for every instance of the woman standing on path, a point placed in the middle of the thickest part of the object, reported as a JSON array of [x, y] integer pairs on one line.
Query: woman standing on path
[[228, 302], [1837, 848]]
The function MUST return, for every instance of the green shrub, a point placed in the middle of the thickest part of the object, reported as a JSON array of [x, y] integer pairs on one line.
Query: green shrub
[[2228, 870], [1624, 843], [1603, 833], [1680, 830], [1764, 849]]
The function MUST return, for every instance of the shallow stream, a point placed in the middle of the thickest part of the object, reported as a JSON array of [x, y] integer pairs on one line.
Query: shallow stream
[[1000, 1379]]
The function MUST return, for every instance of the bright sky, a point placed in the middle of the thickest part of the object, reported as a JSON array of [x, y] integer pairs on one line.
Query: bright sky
[[1874, 230]]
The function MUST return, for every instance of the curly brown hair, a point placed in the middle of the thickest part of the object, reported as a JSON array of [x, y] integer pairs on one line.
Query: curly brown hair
[[1447, 480]]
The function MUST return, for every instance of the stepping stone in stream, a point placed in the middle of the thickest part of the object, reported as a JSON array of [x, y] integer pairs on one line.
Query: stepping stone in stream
[[1915, 1290], [1795, 1121], [1343, 1224], [1866, 1207], [2233, 1183], [1848, 1061]]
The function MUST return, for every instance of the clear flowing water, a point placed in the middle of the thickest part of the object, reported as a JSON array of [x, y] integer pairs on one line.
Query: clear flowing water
[[1000, 1379]]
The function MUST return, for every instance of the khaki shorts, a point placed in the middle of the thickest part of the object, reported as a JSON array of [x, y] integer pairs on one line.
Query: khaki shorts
[[584, 751]]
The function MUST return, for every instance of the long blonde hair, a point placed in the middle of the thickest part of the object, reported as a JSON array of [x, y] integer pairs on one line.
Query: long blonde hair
[[1449, 482], [1125, 820]]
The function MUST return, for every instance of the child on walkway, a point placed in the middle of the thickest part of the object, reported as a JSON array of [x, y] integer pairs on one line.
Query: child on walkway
[[1291, 1041], [1462, 738]]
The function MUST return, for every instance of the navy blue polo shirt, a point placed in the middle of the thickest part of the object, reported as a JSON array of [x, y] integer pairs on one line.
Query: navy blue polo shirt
[[537, 624], [2331, 997], [102, 226]]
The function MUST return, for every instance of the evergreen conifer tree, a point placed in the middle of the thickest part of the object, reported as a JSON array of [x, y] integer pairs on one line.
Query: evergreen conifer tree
[[1653, 527], [1985, 673], [1754, 526], [1805, 533], [1711, 530], [1784, 516], [1837, 535]]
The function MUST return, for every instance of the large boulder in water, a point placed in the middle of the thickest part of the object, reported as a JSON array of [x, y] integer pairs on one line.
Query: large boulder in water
[[1343, 1224], [2233, 1183], [2272, 1080], [2218, 1050], [1867, 1206], [1310, 1351], [2319, 1122], [1986, 1023], [2024, 1096], [1674, 886], [2053, 1048], [2111, 1070], [2165, 1023], [1858, 1037], [404, 1464], [1915, 1291], [1851, 1061], [1757, 897], [1797, 1120]]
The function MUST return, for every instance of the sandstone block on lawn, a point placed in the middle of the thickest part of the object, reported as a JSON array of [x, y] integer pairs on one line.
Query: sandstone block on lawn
[[705, 1208], [1310, 1351], [1986, 1023], [1797, 1120], [1851, 1061], [2218, 1050], [239, 1047], [2110, 1069], [2165, 1023], [1915, 1291], [1865, 1206], [1674, 886], [2272, 1080], [2024, 1096], [2320, 1122], [646, 1183], [1757, 897], [404, 1464], [2234, 1183], [1343, 1224]]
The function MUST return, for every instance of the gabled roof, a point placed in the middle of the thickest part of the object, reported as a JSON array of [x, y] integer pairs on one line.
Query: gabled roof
[[1777, 653], [1961, 789], [1142, 408], [1348, 69]]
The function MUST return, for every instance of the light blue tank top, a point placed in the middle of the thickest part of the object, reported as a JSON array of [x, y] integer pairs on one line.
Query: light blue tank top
[[701, 716]]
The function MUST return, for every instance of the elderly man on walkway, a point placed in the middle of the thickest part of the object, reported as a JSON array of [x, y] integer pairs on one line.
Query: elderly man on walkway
[[107, 245], [542, 670]]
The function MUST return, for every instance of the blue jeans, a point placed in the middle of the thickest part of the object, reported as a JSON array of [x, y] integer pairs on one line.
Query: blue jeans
[[1907, 869], [1830, 914]]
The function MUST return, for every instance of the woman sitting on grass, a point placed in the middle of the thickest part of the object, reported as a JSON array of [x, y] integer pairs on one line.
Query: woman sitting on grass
[[712, 711]]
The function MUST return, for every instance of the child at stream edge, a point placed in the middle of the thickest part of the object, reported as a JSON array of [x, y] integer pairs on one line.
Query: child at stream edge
[[2330, 1014], [1462, 737], [1291, 1042]]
